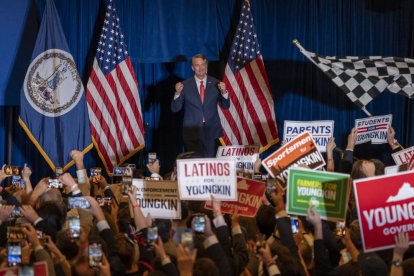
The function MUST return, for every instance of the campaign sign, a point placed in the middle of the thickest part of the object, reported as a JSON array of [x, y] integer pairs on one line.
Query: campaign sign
[[403, 156], [249, 198], [198, 179], [373, 129], [299, 151], [245, 156], [159, 198], [326, 191], [386, 212], [321, 131]]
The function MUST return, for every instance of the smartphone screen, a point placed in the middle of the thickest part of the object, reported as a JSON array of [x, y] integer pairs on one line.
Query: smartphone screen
[[95, 174], [16, 213], [95, 254], [152, 157], [15, 234], [14, 254], [55, 183], [126, 184], [199, 223], [78, 202], [119, 171], [295, 224], [187, 240], [340, 229], [74, 227], [152, 234], [58, 171]]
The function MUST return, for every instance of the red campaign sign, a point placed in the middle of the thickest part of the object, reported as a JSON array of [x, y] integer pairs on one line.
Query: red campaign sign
[[249, 198], [385, 208]]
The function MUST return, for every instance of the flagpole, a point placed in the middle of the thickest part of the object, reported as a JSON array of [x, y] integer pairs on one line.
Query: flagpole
[[306, 54]]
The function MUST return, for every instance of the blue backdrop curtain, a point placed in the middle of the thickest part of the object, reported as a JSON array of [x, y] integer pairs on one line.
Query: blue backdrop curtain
[[162, 35]]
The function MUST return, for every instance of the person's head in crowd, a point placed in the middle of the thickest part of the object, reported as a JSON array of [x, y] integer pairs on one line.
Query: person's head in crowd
[[54, 213], [370, 264], [81, 267], [265, 220], [408, 266], [164, 229], [284, 260], [128, 253], [50, 195], [205, 267], [363, 169], [68, 247], [379, 166], [306, 251]]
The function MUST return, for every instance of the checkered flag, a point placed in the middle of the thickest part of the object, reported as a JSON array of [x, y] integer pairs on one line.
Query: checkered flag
[[363, 78]]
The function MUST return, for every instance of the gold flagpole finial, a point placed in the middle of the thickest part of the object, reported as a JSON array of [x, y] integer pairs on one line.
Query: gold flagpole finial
[[296, 42]]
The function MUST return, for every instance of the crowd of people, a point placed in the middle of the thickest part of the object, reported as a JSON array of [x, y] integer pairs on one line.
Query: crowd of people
[[101, 237]]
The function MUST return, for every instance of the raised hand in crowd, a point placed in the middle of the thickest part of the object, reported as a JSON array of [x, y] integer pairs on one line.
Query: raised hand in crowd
[[104, 267], [314, 218], [41, 187], [29, 213], [3, 175], [402, 242], [257, 164], [139, 218], [186, 260], [26, 173], [330, 167], [5, 212], [69, 184], [395, 146], [77, 157], [352, 139]]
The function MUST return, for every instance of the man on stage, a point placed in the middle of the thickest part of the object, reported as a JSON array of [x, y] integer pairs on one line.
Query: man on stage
[[199, 95]]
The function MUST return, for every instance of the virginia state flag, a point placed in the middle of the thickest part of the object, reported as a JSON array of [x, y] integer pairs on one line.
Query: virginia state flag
[[53, 108]]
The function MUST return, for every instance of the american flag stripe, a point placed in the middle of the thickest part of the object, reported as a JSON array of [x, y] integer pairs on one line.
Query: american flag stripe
[[235, 113], [107, 110], [113, 97], [263, 97], [250, 119]]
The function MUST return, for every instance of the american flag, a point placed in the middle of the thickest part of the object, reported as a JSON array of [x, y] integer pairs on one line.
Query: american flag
[[113, 98], [251, 117]]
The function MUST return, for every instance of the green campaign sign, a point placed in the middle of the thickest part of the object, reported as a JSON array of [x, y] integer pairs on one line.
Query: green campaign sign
[[327, 192]]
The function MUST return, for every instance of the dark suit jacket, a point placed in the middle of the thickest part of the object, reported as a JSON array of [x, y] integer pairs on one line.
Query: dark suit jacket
[[194, 111]]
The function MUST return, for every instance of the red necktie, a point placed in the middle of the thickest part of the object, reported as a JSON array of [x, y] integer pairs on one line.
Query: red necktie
[[202, 91]]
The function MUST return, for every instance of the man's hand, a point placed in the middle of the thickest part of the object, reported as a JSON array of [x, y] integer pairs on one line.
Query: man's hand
[[185, 260], [352, 139], [331, 145], [178, 88], [31, 234], [3, 175], [402, 242], [391, 138], [67, 180], [216, 206], [29, 213], [77, 157], [222, 87], [95, 209], [313, 216], [5, 212], [26, 172], [154, 167]]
